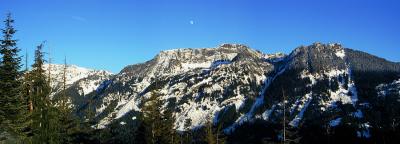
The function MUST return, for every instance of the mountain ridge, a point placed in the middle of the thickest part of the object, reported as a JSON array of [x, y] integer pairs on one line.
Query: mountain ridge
[[323, 84]]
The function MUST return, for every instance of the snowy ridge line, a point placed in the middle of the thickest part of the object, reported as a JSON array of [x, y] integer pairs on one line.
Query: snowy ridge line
[[188, 60], [273, 58]]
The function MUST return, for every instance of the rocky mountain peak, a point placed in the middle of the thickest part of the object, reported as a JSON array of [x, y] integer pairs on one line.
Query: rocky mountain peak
[[182, 60], [233, 46], [199, 53]]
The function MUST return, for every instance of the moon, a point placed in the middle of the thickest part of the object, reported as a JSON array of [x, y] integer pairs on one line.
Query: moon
[[191, 22]]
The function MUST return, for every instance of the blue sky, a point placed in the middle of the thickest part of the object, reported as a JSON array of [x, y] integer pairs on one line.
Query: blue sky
[[110, 34]]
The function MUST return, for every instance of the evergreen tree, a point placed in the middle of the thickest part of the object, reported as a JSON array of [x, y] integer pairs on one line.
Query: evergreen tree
[[12, 108], [152, 119], [210, 137], [213, 135], [45, 124], [89, 112], [68, 123], [140, 133], [26, 93], [188, 132], [169, 134], [157, 126]]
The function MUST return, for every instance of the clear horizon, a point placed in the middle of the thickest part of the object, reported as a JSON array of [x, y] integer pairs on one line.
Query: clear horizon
[[109, 35]]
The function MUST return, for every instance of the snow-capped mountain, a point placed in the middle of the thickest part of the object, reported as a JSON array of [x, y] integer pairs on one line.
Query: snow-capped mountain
[[84, 80], [194, 79], [321, 86]]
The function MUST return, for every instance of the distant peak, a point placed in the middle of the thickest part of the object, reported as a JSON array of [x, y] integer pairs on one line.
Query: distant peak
[[335, 45], [224, 45], [59, 67]]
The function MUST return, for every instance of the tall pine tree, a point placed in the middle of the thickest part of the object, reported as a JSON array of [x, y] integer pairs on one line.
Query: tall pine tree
[[152, 119], [157, 126], [213, 135], [70, 128], [44, 116], [169, 134], [188, 135], [12, 107]]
